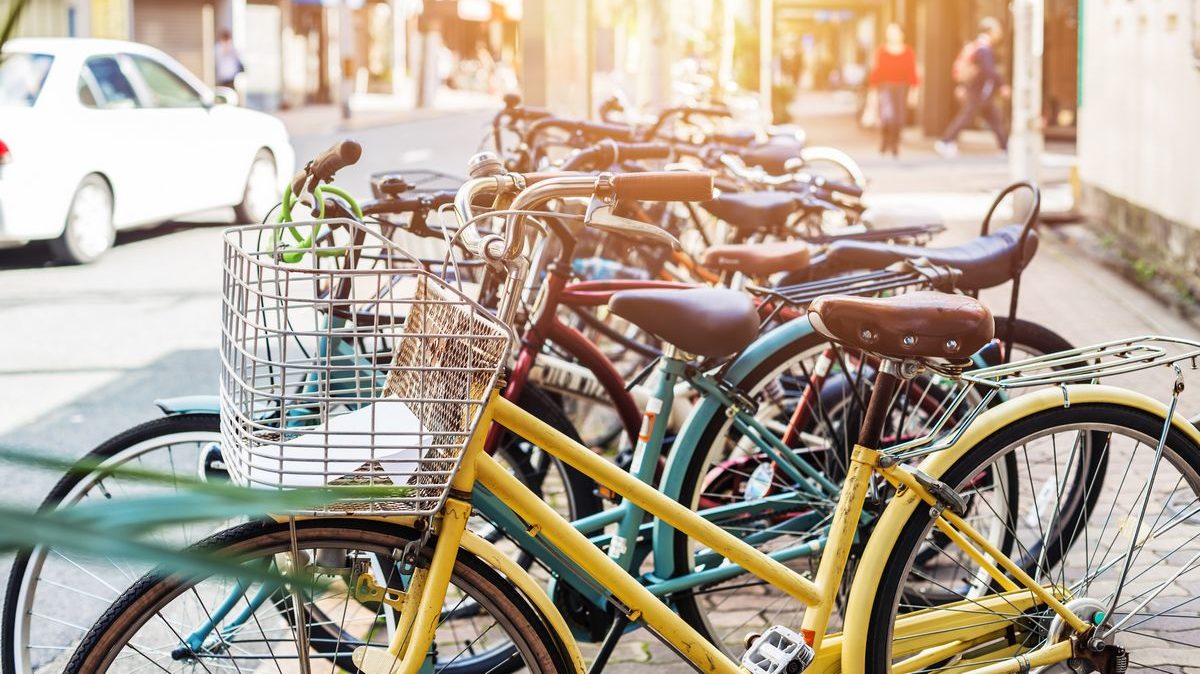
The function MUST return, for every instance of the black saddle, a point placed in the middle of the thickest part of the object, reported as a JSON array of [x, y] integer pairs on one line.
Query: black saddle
[[710, 322], [773, 155], [985, 262], [752, 211]]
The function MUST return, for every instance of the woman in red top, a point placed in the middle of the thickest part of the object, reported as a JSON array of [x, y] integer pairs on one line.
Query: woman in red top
[[894, 73]]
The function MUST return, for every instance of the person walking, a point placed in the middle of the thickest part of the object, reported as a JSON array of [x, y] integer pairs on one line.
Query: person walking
[[978, 86], [894, 76], [227, 62]]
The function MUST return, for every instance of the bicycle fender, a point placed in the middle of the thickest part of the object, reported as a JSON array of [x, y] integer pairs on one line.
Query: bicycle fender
[[513, 572], [196, 404], [887, 529], [685, 445]]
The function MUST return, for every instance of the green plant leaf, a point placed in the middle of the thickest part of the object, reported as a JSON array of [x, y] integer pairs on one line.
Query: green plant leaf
[[11, 17], [118, 528], [58, 530]]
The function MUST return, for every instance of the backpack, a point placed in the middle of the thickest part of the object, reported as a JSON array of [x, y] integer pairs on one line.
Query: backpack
[[965, 69]]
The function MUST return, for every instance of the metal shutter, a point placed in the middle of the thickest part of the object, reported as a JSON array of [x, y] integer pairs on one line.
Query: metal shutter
[[178, 28]]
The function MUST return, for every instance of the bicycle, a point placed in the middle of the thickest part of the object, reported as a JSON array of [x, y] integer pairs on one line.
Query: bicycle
[[919, 486], [721, 396]]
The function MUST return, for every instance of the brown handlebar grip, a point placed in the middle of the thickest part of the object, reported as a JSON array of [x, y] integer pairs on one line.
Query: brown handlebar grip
[[849, 189], [640, 151], [664, 186], [336, 158], [298, 182], [326, 164]]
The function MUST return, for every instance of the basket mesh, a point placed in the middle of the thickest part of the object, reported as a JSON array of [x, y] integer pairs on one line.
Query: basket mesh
[[345, 363]]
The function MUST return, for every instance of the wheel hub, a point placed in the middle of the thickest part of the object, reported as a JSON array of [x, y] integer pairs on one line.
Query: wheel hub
[[1091, 653]]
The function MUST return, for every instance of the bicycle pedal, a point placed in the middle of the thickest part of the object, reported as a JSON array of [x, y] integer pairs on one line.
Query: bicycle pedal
[[779, 650]]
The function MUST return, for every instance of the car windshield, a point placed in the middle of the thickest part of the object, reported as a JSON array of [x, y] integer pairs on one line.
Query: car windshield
[[21, 78]]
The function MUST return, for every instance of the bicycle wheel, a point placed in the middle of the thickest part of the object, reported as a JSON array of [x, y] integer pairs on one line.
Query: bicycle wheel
[[170, 623], [726, 469], [1152, 613], [53, 597], [46, 609]]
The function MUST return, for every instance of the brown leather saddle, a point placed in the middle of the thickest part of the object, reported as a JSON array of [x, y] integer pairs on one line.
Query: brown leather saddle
[[927, 324], [758, 259], [709, 322]]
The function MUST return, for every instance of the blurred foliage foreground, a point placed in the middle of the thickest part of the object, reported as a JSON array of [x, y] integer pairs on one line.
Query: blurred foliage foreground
[[10, 17], [122, 528]]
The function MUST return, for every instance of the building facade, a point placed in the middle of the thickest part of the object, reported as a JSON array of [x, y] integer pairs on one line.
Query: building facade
[[306, 51], [1139, 137]]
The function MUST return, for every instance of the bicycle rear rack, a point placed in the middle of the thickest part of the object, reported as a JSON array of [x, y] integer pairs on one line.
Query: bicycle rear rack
[[1089, 363], [1084, 365], [906, 234], [906, 275]]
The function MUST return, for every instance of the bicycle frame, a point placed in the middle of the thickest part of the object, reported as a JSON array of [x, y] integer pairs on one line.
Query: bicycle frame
[[634, 540], [638, 603]]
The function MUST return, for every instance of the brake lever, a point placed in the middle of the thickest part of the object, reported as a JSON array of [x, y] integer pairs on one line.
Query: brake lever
[[599, 216]]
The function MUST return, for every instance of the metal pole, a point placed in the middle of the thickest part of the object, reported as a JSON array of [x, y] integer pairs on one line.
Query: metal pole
[[534, 77], [1027, 141], [766, 63]]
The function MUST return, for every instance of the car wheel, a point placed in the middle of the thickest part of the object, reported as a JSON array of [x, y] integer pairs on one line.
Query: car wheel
[[89, 231], [262, 190]]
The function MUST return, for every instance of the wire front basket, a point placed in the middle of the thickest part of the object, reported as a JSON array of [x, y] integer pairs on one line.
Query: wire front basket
[[344, 362]]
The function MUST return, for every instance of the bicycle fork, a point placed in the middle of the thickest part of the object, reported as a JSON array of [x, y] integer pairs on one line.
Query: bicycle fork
[[420, 606]]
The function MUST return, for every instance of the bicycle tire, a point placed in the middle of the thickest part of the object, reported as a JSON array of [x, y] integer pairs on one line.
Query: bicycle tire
[[582, 501], [539, 646], [581, 494], [18, 590], [912, 535]]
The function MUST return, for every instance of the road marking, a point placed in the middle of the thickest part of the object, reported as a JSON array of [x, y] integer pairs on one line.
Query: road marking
[[414, 156]]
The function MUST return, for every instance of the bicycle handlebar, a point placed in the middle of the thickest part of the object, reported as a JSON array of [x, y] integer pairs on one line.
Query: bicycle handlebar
[[686, 111], [757, 175], [323, 167], [663, 186], [534, 189], [596, 130], [608, 152], [848, 189]]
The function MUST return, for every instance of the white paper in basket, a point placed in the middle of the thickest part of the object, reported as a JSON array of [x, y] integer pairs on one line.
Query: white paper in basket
[[347, 442]]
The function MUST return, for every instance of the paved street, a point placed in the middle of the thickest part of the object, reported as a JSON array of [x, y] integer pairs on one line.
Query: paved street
[[87, 349]]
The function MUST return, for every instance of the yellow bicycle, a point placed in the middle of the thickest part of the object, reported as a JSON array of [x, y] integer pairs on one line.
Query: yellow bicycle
[[951, 576]]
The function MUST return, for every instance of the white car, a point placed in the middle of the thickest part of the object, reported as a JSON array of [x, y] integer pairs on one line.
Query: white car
[[98, 136]]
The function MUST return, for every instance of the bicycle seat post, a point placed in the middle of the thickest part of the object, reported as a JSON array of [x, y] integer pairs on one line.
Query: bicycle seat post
[[880, 403]]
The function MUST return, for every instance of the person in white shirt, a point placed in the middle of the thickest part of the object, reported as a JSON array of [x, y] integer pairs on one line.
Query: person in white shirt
[[228, 64]]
